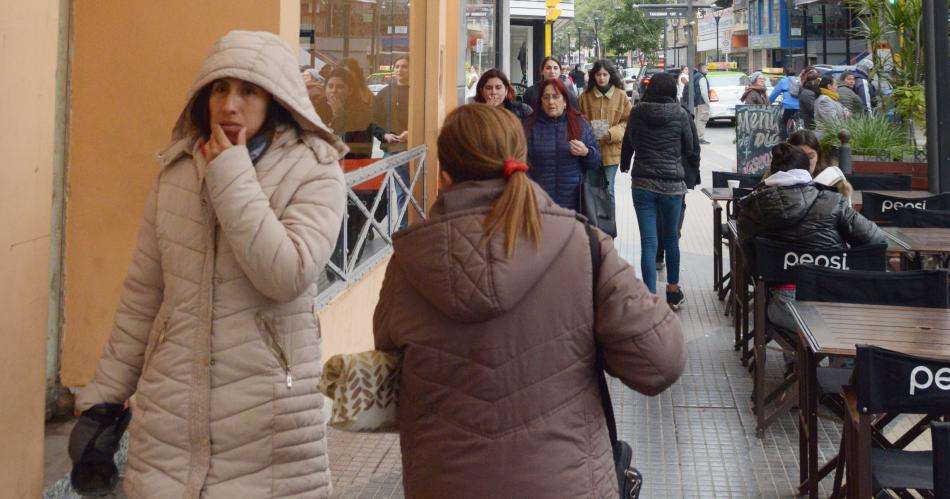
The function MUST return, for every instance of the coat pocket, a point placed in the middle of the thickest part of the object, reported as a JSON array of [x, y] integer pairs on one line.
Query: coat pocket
[[271, 339], [156, 337]]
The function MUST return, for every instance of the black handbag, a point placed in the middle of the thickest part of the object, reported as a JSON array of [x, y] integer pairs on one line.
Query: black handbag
[[596, 204], [92, 447], [629, 479]]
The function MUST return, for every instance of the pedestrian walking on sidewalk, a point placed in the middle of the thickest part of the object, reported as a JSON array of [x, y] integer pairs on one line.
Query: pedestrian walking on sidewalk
[[550, 70], [701, 100], [807, 97], [850, 99], [561, 145], [691, 178], [789, 88], [498, 317], [658, 136], [606, 105], [827, 105], [215, 334], [754, 94], [494, 88]]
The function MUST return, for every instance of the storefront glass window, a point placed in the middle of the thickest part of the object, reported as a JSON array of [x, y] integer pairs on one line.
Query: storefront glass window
[[480, 41], [354, 58]]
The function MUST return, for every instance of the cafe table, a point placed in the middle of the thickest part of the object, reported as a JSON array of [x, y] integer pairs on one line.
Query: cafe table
[[834, 329], [911, 242]]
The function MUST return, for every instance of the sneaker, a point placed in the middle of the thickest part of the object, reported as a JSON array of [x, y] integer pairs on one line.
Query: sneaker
[[660, 265], [704, 141], [675, 299]]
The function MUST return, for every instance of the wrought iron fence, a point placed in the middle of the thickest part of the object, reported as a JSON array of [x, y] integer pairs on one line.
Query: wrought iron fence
[[379, 198]]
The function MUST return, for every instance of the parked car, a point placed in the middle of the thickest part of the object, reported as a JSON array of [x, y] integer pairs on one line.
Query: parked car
[[630, 82], [725, 90], [645, 75]]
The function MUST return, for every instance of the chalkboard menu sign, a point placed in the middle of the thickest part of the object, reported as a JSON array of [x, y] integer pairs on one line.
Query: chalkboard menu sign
[[756, 133]]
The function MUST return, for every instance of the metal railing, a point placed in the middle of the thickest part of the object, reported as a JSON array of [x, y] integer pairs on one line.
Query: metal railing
[[373, 213]]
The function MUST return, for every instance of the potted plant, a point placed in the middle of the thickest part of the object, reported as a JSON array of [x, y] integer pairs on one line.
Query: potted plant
[[878, 145]]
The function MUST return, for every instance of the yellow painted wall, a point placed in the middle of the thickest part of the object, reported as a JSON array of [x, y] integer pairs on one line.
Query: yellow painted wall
[[346, 323], [133, 63], [29, 33]]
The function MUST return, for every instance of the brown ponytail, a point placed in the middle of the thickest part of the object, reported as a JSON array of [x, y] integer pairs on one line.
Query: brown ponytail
[[474, 143]]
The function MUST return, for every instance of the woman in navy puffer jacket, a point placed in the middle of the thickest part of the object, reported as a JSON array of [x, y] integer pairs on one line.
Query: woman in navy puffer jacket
[[561, 145]]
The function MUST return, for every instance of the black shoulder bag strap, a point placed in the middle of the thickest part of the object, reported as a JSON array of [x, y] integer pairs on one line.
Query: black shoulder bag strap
[[599, 356]]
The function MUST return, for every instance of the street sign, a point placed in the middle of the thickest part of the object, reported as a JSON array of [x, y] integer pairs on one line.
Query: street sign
[[665, 14]]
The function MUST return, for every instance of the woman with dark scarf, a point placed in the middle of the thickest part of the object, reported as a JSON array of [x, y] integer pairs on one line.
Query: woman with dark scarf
[[494, 89]]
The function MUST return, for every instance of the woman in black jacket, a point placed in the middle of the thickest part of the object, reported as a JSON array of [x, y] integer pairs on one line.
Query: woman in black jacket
[[789, 208], [807, 97], [658, 136]]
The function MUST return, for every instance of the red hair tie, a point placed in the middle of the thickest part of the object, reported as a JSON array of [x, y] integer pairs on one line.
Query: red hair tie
[[512, 166]]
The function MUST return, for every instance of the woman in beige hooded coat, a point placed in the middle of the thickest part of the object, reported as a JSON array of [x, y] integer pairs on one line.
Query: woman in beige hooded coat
[[215, 333]]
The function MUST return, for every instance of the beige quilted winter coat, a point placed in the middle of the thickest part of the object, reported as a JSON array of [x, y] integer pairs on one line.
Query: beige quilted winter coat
[[498, 395], [215, 332]]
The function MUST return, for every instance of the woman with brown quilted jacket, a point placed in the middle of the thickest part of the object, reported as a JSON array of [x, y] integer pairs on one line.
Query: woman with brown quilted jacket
[[494, 306], [215, 340]]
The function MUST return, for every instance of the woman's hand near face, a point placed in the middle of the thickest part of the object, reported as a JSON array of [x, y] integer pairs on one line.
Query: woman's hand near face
[[336, 104], [578, 148], [219, 142]]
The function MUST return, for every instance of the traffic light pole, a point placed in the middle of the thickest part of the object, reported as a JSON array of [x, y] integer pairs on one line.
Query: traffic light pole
[[937, 55], [690, 55]]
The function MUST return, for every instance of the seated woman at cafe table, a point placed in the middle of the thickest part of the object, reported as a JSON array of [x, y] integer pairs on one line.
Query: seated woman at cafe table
[[789, 208]]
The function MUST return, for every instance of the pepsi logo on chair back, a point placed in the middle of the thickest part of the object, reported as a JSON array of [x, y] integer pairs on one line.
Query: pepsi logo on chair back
[[839, 262], [891, 205], [776, 261], [889, 381]]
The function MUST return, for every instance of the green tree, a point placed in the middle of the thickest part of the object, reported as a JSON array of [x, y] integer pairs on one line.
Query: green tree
[[627, 29], [622, 28]]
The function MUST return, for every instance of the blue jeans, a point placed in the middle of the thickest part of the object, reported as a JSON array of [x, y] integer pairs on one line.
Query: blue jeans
[[610, 172], [647, 204]]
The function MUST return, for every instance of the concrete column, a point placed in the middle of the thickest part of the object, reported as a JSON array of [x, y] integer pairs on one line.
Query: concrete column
[[28, 138]]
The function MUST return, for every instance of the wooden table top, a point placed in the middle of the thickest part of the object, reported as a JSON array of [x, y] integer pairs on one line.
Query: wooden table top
[[857, 197], [835, 328], [928, 240]]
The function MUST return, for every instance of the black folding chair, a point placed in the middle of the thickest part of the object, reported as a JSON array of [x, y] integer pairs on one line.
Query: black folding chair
[[774, 263], [885, 207], [886, 182], [746, 181], [746, 184], [922, 288], [940, 436], [915, 217], [888, 382]]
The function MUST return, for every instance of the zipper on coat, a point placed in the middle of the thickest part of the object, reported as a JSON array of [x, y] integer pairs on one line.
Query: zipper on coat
[[275, 347], [158, 341]]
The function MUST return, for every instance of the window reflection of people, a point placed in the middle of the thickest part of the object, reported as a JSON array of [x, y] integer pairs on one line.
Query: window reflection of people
[[391, 123], [347, 113], [391, 110], [471, 78], [494, 89]]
